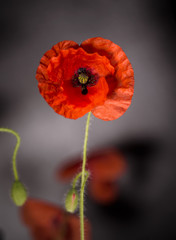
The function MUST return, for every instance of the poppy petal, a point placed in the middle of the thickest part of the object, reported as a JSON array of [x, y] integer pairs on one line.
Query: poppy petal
[[106, 164], [105, 167], [49, 222], [45, 60], [119, 98], [42, 218], [103, 192], [74, 222], [57, 88]]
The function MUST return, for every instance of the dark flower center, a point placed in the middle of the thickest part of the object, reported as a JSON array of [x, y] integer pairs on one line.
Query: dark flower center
[[84, 78]]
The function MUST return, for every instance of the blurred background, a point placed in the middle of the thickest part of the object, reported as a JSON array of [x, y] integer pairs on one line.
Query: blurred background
[[146, 207]]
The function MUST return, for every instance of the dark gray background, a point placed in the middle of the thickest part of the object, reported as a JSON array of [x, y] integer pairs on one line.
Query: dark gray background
[[146, 208]]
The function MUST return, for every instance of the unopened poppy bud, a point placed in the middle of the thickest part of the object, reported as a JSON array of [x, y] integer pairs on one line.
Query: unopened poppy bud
[[18, 193], [71, 201]]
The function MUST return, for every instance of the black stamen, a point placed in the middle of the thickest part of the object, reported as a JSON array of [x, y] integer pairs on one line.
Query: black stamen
[[84, 78]]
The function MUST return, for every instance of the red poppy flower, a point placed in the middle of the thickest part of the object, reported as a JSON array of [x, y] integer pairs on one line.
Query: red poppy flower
[[49, 222], [95, 76], [105, 167]]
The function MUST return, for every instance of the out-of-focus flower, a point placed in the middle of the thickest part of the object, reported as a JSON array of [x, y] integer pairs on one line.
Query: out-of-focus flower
[[95, 76], [49, 222], [105, 167]]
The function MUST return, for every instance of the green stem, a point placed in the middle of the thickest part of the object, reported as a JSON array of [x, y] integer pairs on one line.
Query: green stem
[[78, 176], [15, 150], [83, 178]]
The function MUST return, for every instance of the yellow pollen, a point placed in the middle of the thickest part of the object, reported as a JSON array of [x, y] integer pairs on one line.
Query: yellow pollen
[[83, 78]]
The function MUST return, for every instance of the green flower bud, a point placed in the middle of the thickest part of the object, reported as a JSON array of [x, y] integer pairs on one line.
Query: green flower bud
[[18, 193], [71, 201]]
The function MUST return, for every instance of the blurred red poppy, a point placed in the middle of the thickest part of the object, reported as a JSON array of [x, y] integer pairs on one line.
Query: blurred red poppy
[[105, 167], [95, 76], [49, 222]]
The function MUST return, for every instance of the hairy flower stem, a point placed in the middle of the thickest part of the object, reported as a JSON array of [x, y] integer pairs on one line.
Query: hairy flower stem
[[75, 180], [15, 150], [83, 178]]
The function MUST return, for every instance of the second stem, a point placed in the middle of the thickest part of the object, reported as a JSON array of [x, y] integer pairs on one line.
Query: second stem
[[81, 205]]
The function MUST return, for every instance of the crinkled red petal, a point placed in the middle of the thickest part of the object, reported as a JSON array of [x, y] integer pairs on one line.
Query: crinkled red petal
[[121, 86], [54, 52], [56, 85]]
